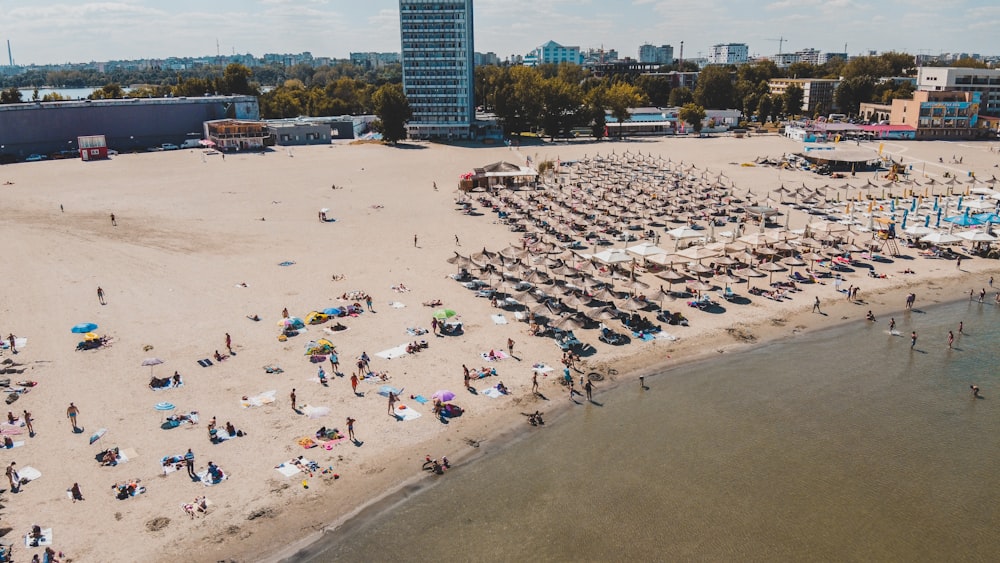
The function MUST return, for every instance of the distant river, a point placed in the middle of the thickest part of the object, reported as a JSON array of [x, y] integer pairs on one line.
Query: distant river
[[69, 93], [842, 445]]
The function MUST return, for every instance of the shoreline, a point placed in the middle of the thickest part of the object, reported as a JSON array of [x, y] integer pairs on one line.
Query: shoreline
[[508, 435], [193, 256]]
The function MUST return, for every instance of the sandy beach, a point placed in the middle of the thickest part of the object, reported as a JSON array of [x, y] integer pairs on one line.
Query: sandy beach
[[197, 248]]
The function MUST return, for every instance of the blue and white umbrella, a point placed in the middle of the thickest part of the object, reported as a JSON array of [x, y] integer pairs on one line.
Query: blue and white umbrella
[[84, 328], [164, 406]]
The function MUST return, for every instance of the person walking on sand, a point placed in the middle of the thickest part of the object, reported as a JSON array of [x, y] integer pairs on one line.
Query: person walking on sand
[[229, 344], [951, 339], [456, 241], [975, 393], [892, 324], [368, 302], [354, 383], [414, 241], [334, 363], [850, 290], [589, 388], [100, 296], [958, 263], [27, 423], [189, 464], [510, 347], [534, 382], [982, 295], [972, 292], [361, 367], [114, 222], [13, 342], [913, 339], [350, 429], [816, 306], [392, 403], [961, 327], [71, 413], [292, 397]]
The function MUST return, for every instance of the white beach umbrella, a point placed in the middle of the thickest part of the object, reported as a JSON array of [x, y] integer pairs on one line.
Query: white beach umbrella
[[941, 238], [976, 236]]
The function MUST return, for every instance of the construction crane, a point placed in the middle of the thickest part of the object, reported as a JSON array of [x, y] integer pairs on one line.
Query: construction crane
[[781, 42]]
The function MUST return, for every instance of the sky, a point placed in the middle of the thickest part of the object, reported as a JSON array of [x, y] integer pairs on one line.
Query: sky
[[60, 31]]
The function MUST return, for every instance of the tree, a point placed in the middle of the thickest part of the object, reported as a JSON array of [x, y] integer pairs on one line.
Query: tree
[[656, 89], [236, 80], [764, 108], [107, 92], [692, 114], [852, 92], [561, 102], [515, 99], [393, 111], [793, 98], [596, 103], [680, 96], [803, 70], [714, 89], [966, 62], [11, 96], [621, 97]]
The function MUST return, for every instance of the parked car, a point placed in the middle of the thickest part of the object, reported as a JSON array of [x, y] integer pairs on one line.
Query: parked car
[[36, 158], [154, 149], [169, 147], [191, 144]]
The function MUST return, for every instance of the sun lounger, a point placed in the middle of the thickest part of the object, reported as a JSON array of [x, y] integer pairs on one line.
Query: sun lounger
[[205, 363], [498, 319], [29, 474]]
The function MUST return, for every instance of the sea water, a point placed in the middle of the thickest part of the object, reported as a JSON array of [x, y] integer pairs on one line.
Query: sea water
[[841, 445]]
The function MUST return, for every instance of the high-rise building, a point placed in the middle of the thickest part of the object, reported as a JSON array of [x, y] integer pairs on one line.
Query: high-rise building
[[729, 54], [663, 55], [986, 81], [438, 61]]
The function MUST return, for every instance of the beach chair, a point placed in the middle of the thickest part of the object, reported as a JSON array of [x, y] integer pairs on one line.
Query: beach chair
[[727, 294]]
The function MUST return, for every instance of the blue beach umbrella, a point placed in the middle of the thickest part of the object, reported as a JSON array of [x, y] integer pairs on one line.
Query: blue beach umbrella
[[83, 328], [938, 222], [906, 213], [164, 406], [927, 220], [331, 311], [987, 218], [964, 220]]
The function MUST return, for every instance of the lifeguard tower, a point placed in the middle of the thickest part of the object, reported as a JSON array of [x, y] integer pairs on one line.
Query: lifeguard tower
[[884, 235], [92, 147]]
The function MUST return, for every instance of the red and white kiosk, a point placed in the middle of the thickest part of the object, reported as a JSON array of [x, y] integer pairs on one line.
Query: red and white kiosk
[[92, 147]]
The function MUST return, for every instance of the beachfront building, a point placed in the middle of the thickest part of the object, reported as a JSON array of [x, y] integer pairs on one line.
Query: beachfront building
[[729, 54], [438, 62], [985, 81], [662, 55], [875, 113], [237, 135], [129, 124], [817, 93], [939, 115]]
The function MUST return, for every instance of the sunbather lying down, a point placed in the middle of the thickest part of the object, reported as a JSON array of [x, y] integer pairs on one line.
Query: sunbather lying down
[[200, 505], [432, 303]]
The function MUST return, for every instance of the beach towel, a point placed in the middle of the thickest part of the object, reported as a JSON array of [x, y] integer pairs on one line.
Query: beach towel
[[405, 413], [541, 368], [329, 444], [221, 435], [306, 442], [286, 263], [11, 429], [170, 463], [665, 336], [397, 352], [14, 445], [205, 363], [128, 453], [396, 305], [169, 385], [29, 474], [491, 392], [499, 319], [520, 316], [313, 411], [205, 480], [386, 389], [294, 465], [645, 337], [498, 354], [259, 400], [18, 342], [418, 331], [421, 399], [44, 541]]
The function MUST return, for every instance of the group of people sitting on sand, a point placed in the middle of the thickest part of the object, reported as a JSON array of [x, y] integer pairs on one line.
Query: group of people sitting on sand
[[199, 506], [231, 432], [109, 457], [414, 347], [534, 418], [128, 489], [161, 383], [435, 466]]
